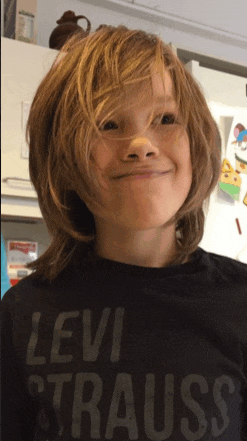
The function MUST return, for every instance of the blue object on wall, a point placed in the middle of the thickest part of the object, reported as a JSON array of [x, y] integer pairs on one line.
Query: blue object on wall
[[5, 284]]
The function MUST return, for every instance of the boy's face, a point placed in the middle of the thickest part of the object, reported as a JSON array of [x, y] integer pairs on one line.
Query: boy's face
[[142, 202]]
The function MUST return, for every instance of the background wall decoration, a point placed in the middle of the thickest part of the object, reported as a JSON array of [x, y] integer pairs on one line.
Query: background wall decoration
[[234, 180]]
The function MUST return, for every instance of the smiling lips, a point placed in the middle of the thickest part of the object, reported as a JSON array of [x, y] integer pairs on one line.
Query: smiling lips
[[143, 174]]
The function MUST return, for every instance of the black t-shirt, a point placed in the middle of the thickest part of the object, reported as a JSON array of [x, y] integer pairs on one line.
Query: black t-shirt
[[121, 352]]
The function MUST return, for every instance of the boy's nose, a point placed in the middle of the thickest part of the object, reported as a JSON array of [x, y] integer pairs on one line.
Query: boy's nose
[[141, 147]]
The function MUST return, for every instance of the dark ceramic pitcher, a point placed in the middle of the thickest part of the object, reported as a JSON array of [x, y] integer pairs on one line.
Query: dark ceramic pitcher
[[67, 25]]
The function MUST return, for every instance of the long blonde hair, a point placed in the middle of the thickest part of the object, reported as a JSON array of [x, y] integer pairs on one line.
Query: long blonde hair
[[62, 121]]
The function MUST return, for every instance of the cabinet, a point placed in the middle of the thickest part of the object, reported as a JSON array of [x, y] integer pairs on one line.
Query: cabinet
[[23, 67]]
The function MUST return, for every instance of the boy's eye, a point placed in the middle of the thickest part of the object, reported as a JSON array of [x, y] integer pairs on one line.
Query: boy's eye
[[165, 119], [109, 125]]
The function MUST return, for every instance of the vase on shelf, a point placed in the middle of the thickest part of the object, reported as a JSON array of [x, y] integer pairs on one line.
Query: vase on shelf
[[67, 26]]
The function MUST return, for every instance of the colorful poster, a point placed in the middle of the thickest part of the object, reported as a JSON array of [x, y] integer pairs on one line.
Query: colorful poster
[[233, 180]]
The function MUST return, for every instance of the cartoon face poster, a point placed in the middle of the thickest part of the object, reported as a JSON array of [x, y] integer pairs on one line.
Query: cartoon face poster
[[233, 179]]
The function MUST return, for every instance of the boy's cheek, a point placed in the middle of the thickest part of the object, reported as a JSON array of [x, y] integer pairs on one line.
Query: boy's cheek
[[101, 154]]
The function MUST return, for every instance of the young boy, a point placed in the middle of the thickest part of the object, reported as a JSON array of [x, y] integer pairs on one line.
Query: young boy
[[126, 330]]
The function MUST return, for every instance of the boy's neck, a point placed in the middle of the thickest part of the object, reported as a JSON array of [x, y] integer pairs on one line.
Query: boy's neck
[[152, 248]]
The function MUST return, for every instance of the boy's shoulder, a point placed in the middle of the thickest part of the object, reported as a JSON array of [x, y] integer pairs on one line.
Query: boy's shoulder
[[34, 290], [24, 286], [227, 263], [224, 268], [26, 291], [215, 266]]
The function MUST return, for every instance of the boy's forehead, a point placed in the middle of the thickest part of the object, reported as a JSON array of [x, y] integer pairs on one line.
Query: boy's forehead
[[158, 89]]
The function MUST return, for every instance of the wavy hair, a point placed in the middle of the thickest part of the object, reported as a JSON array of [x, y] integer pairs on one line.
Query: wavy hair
[[87, 77]]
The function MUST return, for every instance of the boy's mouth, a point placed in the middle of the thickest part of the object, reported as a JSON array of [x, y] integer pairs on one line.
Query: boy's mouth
[[146, 173]]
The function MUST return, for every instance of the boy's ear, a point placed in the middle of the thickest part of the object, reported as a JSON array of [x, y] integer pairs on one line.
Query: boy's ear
[[59, 57]]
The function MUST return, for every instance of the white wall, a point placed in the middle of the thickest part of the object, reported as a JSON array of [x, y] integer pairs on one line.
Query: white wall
[[214, 13], [228, 47], [97, 15]]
